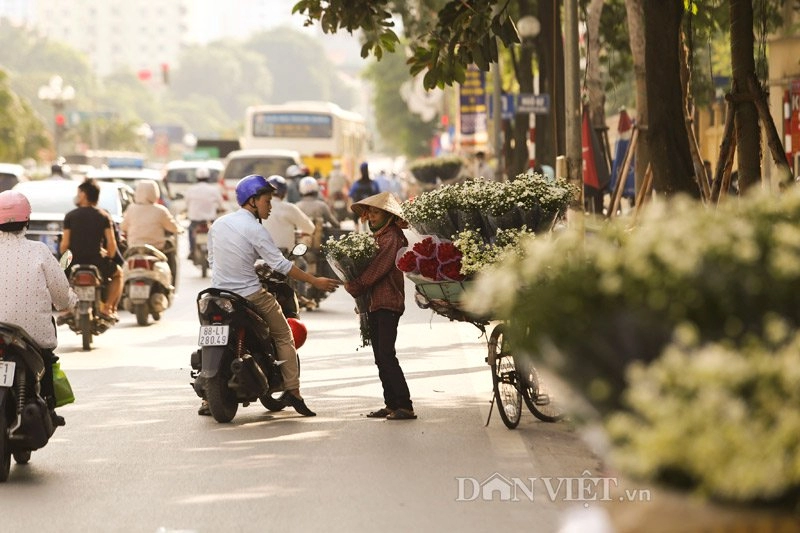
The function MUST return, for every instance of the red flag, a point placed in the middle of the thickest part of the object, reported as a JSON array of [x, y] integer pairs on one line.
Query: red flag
[[590, 178]]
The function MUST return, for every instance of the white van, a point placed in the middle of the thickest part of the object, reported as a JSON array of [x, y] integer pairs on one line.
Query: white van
[[265, 162]]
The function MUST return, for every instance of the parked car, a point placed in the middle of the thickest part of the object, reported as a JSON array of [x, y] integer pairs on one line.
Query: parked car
[[10, 175], [131, 176], [180, 175], [51, 199], [241, 163]]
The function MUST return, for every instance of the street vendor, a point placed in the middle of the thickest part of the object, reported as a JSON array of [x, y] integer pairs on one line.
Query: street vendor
[[384, 284]]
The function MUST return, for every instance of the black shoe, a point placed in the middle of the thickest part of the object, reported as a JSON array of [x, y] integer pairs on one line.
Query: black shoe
[[298, 404], [204, 410], [57, 420]]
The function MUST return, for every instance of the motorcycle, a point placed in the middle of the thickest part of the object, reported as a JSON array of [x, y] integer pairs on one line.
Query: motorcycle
[[322, 268], [26, 423], [237, 360], [86, 319], [147, 283], [200, 251]]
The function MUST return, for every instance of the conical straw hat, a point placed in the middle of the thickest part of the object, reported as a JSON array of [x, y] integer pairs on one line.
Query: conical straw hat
[[383, 200]]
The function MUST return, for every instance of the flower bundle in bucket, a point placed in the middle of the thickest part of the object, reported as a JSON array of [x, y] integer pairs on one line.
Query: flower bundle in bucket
[[348, 257], [432, 258]]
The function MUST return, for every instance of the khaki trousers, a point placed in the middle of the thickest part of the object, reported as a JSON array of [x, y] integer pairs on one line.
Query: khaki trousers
[[270, 311]]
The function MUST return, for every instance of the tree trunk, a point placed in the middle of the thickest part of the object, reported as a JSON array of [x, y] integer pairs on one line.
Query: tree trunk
[[550, 135], [748, 135], [666, 133], [594, 79], [635, 12]]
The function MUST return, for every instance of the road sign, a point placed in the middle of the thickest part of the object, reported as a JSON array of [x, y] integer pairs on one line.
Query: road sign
[[533, 103], [507, 103]]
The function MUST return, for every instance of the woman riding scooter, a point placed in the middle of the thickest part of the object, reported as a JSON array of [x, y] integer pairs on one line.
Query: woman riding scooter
[[146, 222]]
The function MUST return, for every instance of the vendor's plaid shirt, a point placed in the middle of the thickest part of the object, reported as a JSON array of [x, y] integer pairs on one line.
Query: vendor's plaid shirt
[[382, 278]]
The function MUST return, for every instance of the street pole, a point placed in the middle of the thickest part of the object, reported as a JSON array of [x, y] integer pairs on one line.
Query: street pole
[[497, 119], [573, 100]]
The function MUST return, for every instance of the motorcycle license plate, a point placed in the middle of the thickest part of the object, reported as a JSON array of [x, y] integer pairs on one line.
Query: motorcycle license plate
[[7, 373], [139, 291], [85, 294], [213, 336]]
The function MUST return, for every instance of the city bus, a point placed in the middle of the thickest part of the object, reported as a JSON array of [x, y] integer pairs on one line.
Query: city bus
[[321, 132]]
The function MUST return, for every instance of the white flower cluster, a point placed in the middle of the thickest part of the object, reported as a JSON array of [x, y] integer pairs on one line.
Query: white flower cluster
[[350, 253], [723, 418], [527, 191], [477, 255]]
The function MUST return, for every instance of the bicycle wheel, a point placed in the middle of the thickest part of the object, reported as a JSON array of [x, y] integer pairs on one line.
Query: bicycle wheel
[[504, 379], [537, 396]]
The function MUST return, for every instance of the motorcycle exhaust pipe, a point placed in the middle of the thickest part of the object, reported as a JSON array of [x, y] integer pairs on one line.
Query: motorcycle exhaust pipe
[[33, 428], [158, 302], [249, 375]]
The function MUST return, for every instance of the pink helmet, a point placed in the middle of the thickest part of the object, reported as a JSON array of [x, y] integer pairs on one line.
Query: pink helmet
[[14, 207]]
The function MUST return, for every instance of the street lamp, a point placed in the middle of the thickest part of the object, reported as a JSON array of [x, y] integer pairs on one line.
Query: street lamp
[[57, 94], [528, 27]]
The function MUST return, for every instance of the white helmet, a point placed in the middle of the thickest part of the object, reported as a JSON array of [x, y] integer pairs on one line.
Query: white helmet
[[293, 171], [202, 173], [308, 185]]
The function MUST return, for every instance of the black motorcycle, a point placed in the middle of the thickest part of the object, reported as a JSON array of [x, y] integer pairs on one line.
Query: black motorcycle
[[25, 420], [86, 319], [237, 360]]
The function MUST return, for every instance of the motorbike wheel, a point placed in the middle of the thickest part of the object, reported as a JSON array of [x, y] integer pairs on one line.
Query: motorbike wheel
[[5, 452], [22, 457], [142, 314], [204, 269], [156, 315], [85, 325], [222, 400], [272, 404]]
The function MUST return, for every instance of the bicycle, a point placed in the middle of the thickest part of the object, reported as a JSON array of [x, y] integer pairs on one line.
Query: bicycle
[[514, 378]]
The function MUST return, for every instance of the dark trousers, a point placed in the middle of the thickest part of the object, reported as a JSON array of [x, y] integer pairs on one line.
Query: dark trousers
[[47, 390], [383, 334]]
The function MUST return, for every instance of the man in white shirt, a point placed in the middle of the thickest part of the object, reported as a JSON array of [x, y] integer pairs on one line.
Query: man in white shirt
[[285, 218], [235, 242], [32, 283], [203, 202]]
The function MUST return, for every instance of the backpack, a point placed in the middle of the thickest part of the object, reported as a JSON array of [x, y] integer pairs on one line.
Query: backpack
[[363, 190]]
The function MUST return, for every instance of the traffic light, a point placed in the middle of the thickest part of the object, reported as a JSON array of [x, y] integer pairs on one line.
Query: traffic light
[[61, 122]]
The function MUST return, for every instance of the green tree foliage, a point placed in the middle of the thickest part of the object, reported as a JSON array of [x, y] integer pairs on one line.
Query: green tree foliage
[[233, 75], [21, 133], [401, 130], [465, 33]]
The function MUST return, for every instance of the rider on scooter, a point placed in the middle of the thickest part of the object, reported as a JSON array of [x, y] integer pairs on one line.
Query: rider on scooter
[[318, 211], [32, 284], [235, 242], [146, 222], [203, 202]]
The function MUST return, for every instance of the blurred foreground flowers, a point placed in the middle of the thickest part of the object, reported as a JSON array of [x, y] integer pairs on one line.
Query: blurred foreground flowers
[[680, 332]]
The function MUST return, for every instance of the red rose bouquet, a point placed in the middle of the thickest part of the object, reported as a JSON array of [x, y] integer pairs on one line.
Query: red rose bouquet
[[432, 258]]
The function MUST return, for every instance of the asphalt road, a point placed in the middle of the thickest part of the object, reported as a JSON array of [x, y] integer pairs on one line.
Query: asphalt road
[[135, 457]]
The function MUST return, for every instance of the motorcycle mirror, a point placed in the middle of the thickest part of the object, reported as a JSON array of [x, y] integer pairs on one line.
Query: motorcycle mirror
[[66, 259], [299, 249]]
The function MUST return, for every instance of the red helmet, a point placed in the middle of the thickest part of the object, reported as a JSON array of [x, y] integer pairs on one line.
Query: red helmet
[[299, 332]]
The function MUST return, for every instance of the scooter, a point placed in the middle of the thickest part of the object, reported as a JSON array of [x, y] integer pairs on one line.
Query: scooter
[[86, 319], [200, 251], [147, 280], [237, 360], [26, 423], [322, 268]]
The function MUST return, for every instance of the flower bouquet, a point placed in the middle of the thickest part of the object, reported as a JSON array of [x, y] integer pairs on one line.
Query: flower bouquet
[[348, 256]]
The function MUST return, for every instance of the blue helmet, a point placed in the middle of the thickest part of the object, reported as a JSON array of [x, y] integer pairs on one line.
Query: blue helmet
[[278, 183], [252, 185]]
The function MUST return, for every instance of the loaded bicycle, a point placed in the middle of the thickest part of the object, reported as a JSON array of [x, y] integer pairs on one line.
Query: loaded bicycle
[[514, 377]]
